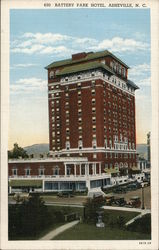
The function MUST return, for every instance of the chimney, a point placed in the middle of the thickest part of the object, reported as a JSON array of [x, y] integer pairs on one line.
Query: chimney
[[79, 56]]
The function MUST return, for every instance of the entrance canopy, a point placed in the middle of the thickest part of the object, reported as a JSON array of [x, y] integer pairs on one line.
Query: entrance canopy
[[25, 183]]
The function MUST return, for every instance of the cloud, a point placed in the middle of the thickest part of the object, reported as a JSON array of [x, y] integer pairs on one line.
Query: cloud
[[46, 38], [23, 65], [139, 70], [54, 43], [145, 82], [119, 44], [28, 85]]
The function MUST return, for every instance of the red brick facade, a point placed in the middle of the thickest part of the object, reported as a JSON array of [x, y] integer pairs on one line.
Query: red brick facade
[[92, 116]]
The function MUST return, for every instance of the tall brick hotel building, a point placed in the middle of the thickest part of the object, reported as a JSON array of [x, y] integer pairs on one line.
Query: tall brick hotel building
[[92, 109], [91, 119]]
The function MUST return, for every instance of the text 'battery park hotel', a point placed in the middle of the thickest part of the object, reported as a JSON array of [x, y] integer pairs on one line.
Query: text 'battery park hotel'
[[91, 122]]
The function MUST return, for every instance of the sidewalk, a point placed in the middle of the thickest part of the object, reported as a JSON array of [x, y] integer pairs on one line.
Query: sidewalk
[[55, 232], [139, 210]]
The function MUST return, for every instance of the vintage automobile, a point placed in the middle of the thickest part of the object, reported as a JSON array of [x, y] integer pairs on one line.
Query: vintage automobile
[[109, 199], [119, 201], [65, 194], [134, 202]]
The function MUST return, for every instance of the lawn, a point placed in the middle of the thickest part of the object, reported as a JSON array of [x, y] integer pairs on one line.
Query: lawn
[[66, 209], [91, 232]]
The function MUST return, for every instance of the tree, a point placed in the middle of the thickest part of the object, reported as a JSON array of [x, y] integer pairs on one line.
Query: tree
[[91, 208], [17, 152], [28, 218]]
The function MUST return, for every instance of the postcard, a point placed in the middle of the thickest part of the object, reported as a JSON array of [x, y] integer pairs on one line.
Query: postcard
[[79, 124]]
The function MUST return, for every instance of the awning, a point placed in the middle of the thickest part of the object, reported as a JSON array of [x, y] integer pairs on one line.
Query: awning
[[25, 183], [111, 171], [135, 169]]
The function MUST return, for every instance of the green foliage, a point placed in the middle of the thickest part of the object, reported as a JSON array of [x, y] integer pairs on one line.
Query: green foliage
[[17, 152], [91, 208], [142, 225], [28, 218]]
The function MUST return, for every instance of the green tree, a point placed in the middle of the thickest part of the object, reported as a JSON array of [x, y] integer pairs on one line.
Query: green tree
[[17, 152], [91, 208], [28, 218]]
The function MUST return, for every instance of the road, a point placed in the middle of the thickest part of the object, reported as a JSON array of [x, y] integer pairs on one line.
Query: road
[[138, 192], [79, 200]]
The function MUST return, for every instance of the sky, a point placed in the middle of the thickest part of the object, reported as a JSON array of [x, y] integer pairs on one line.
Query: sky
[[39, 37]]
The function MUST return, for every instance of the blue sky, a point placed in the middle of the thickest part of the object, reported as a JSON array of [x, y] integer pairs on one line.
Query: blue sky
[[39, 37]]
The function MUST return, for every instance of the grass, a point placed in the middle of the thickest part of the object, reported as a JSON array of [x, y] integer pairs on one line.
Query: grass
[[116, 213], [91, 232], [66, 209], [38, 236]]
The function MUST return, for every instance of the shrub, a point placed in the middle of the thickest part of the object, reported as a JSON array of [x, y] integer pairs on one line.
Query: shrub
[[142, 225], [90, 210]]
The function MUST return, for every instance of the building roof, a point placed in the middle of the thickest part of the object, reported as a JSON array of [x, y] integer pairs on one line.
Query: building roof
[[83, 67], [132, 84], [89, 56]]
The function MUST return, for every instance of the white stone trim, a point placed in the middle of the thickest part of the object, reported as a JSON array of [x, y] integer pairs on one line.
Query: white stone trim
[[101, 78], [91, 150]]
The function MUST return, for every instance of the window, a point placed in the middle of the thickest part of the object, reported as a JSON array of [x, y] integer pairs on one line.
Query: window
[[79, 111], [94, 128], [110, 143], [94, 143], [93, 91], [93, 118], [51, 74], [105, 143], [80, 128], [27, 171], [67, 130], [93, 110], [79, 102], [93, 101], [78, 77], [67, 103], [80, 144], [41, 171], [94, 156], [14, 171], [56, 170]]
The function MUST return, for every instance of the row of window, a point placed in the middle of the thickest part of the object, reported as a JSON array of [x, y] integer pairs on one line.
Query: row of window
[[41, 171]]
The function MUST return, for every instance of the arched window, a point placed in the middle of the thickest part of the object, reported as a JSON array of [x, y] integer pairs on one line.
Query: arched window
[[94, 143], [67, 145], [80, 144]]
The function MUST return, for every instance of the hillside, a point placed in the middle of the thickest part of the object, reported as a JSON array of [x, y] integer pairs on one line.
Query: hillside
[[35, 149], [142, 150]]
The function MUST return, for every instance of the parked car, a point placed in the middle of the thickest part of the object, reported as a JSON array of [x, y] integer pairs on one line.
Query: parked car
[[132, 186], [134, 202], [65, 194], [119, 201], [109, 200], [19, 197]]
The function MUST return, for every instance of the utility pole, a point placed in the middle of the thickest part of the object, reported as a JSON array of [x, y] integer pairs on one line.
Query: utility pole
[[142, 206]]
